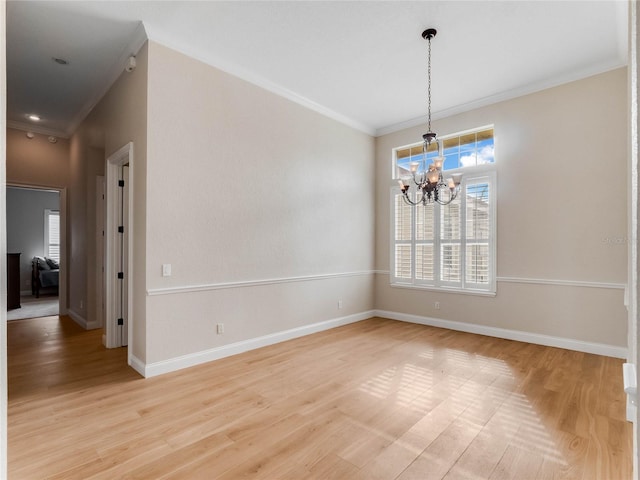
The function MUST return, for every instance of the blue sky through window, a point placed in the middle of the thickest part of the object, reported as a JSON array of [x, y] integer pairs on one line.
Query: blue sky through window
[[459, 151]]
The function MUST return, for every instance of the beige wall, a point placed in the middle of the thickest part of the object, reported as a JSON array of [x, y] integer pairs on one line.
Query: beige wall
[[119, 118], [246, 186], [554, 149], [270, 213], [37, 161]]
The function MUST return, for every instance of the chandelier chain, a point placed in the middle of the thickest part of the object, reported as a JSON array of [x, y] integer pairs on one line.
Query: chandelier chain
[[428, 182], [429, 86]]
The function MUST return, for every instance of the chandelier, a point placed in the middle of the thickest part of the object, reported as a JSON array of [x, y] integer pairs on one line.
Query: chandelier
[[429, 183]]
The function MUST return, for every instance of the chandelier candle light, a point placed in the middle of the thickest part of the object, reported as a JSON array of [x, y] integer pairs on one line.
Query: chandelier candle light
[[430, 185]]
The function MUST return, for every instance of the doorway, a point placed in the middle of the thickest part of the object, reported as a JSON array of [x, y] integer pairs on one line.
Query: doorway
[[118, 248], [36, 242]]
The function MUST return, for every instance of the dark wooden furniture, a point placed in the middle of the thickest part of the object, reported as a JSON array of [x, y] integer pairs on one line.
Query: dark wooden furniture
[[13, 281]]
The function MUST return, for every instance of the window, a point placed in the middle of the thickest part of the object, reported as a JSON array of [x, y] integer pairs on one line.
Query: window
[[452, 246], [52, 234], [467, 149]]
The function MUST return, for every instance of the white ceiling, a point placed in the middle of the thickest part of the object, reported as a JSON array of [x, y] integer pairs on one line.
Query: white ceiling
[[363, 63]]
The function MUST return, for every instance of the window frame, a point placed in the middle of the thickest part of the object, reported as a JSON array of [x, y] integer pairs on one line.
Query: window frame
[[394, 161], [471, 175]]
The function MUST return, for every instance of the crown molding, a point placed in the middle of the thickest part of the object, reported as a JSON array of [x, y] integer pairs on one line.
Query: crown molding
[[132, 48], [503, 96], [29, 127], [262, 82]]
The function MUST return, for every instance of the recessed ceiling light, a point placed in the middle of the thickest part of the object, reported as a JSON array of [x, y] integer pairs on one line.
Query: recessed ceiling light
[[35, 118], [60, 61]]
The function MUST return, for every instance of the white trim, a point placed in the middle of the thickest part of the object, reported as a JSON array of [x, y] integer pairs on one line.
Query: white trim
[[134, 46], [564, 283], [504, 96], [122, 156], [83, 322], [79, 319], [533, 281], [62, 207], [28, 127], [197, 358], [520, 336], [100, 250], [192, 359], [444, 289], [252, 283], [264, 83], [137, 364]]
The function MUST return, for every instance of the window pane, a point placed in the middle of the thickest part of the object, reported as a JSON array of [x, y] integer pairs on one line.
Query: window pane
[[403, 261], [450, 263], [424, 261], [53, 235], [477, 268], [403, 219], [54, 228], [477, 199], [466, 150]]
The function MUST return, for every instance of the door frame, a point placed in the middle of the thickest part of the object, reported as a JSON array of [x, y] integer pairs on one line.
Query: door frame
[[63, 306], [100, 253], [122, 156]]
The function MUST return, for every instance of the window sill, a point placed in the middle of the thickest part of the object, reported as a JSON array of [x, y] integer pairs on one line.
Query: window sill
[[478, 293]]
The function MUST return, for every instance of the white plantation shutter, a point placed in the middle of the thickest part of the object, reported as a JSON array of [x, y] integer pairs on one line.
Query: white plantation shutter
[[478, 230], [450, 241], [52, 234], [451, 246], [424, 267], [403, 233], [424, 262], [403, 262]]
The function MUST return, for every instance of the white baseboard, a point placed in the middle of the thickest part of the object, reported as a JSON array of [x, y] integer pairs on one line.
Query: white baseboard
[[137, 364], [536, 338], [190, 360], [80, 320], [76, 317]]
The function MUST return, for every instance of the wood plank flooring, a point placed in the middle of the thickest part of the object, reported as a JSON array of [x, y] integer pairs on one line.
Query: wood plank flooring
[[378, 399]]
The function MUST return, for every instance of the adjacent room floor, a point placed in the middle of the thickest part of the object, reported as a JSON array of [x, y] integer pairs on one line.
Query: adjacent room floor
[[32, 307], [377, 399]]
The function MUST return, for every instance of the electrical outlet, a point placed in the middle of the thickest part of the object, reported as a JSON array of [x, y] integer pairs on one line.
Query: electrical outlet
[[339, 304], [220, 328], [437, 305]]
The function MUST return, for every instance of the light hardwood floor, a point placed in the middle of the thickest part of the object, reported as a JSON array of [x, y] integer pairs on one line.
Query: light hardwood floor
[[378, 399]]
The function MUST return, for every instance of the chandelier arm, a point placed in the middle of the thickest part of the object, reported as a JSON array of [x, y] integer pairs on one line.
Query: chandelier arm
[[451, 199], [408, 201]]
